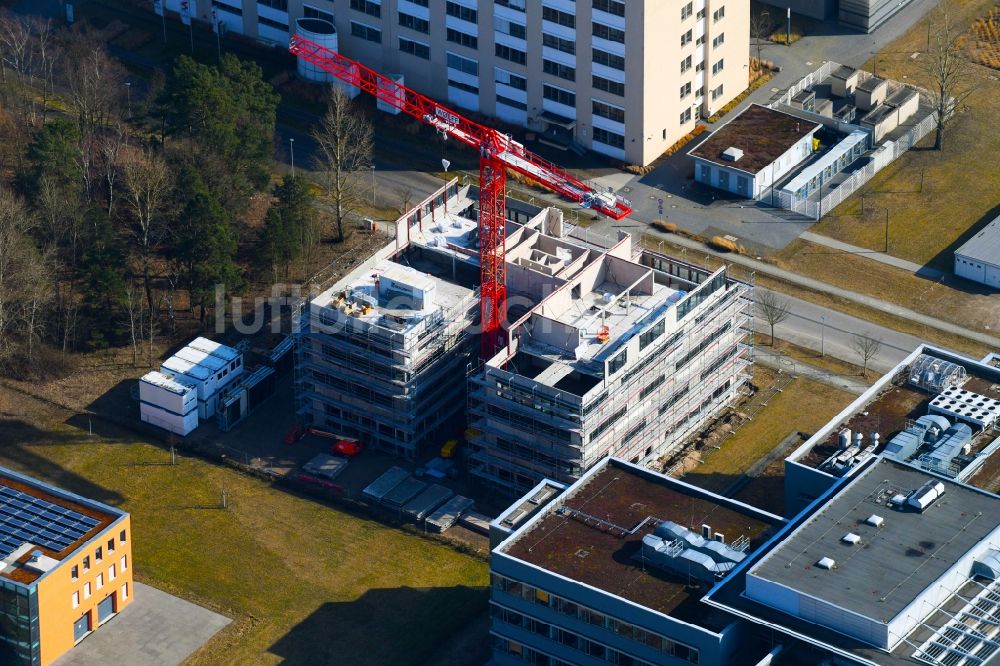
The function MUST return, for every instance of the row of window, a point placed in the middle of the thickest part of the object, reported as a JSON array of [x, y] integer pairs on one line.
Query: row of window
[[572, 609], [113, 571], [561, 636], [688, 9], [74, 572]]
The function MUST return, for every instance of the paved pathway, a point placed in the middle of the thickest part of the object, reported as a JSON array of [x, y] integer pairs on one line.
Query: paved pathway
[[156, 629], [851, 384], [882, 257]]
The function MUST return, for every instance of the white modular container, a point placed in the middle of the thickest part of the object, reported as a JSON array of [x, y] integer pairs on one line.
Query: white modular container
[[175, 423], [169, 393]]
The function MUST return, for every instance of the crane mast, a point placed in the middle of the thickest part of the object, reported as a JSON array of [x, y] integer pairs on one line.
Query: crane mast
[[497, 153]]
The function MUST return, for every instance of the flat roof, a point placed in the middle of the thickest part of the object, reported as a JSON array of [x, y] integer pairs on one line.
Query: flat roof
[[985, 245], [51, 520], [762, 133], [892, 564], [625, 495], [871, 83]]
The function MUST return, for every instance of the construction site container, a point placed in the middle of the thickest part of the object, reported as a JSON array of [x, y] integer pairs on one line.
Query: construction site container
[[870, 93], [881, 121], [844, 80], [906, 101], [427, 501], [449, 513], [378, 488], [168, 402], [409, 488]]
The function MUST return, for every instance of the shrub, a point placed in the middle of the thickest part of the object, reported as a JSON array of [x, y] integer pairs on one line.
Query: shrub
[[723, 244], [664, 226]]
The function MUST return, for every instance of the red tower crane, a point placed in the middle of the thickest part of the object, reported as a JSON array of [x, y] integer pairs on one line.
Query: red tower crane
[[497, 153]]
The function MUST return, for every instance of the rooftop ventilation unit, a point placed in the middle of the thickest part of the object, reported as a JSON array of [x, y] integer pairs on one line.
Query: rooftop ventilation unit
[[732, 154], [925, 495], [874, 520], [968, 406], [827, 563], [934, 374], [851, 538]]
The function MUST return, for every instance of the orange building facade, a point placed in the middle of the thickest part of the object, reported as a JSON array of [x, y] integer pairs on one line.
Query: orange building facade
[[65, 569]]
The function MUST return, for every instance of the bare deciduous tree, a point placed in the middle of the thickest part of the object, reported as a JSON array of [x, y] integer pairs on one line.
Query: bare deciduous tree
[[948, 73], [345, 141], [760, 30], [146, 179], [96, 85], [772, 309], [868, 348], [24, 284]]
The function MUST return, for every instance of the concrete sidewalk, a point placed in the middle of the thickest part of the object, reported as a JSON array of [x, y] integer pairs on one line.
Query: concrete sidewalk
[[882, 257]]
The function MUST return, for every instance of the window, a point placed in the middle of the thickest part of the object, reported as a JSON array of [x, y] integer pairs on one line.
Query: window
[[510, 79], [609, 59], [699, 41], [366, 32], [719, 66], [718, 41], [86, 590], [121, 537], [277, 25], [607, 111], [367, 7], [558, 43], [717, 93], [99, 554], [125, 591], [608, 33], [687, 10], [718, 13], [685, 64], [559, 69], [86, 564], [76, 599], [686, 38], [462, 12], [461, 85], [558, 17], [609, 86], [508, 53], [310, 12], [462, 64], [685, 90], [615, 7], [280, 5], [111, 545], [700, 67], [686, 116], [701, 14], [505, 27], [235, 11], [656, 330], [112, 573], [511, 4], [414, 23], [461, 38], [618, 362], [124, 562], [100, 581], [74, 573], [558, 95], [612, 139], [513, 103], [700, 92], [706, 173], [415, 48]]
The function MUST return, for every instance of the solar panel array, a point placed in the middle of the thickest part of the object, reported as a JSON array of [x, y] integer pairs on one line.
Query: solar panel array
[[26, 518]]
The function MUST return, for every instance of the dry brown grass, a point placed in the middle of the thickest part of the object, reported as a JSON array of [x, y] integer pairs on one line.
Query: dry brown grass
[[985, 45]]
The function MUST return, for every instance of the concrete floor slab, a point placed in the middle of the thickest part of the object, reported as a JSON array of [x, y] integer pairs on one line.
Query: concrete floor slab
[[157, 629]]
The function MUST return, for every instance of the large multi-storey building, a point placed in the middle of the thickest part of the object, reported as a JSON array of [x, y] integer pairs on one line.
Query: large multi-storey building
[[610, 349], [65, 565], [626, 79], [626, 355]]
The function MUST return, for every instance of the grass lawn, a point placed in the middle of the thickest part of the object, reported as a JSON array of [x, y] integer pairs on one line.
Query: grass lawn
[[807, 356], [803, 405], [303, 582], [973, 308], [959, 183]]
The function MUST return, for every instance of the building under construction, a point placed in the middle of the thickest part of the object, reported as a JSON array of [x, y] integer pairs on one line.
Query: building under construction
[[610, 349]]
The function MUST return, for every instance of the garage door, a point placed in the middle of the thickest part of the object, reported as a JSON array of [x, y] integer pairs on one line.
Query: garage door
[[81, 627], [106, 608]]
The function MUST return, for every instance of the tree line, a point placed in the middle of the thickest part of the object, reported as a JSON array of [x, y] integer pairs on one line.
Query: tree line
[[123, 200]]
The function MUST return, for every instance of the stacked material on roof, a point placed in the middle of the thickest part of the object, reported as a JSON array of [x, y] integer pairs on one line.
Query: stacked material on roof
[[427, 501], [381, 486]]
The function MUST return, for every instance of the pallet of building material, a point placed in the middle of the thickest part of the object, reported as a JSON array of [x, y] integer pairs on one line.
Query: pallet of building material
[[378, 488], [403, 493], [449, 513], [476, 522], [427, 501]]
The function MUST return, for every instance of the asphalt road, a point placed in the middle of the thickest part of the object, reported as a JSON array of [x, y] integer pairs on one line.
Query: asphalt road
[[815, 327]]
